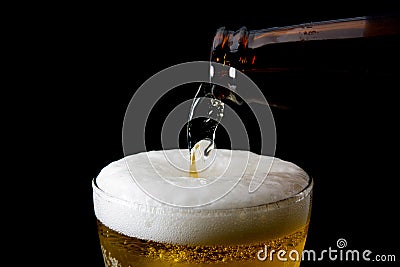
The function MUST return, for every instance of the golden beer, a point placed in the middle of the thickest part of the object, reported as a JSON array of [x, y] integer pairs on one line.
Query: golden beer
[[122, 250], [270, 234]]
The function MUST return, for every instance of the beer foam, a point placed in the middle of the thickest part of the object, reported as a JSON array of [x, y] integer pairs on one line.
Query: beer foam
[[122, 202]]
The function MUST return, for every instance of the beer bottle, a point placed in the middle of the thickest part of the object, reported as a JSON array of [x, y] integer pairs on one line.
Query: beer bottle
[[287, 63], [302, 70]]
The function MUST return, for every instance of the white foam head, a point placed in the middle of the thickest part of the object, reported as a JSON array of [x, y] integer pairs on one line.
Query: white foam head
[[279, 206]]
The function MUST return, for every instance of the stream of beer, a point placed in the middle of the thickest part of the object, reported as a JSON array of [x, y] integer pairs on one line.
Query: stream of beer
[[202, 127]]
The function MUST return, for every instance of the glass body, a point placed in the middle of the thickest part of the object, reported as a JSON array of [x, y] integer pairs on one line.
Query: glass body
[[285, 222]]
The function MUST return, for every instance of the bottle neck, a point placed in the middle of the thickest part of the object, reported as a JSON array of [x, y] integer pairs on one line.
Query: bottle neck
[[290, 47]]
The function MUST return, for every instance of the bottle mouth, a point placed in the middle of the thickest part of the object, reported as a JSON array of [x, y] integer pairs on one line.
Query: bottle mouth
[[232, 40]]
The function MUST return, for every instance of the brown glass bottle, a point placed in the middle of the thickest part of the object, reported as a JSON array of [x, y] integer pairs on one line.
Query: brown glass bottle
[[313, 76], [290, 63]]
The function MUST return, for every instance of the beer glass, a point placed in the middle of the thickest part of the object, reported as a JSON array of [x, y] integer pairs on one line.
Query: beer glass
[[270, 234]]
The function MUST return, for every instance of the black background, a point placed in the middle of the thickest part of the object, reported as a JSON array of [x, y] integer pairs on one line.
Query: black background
[[99, 55]]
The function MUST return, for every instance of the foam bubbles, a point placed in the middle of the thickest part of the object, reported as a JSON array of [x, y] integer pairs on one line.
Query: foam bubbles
[[238, 216]]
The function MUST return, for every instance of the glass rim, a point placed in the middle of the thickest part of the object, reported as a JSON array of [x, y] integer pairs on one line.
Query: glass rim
[[281, 203]]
